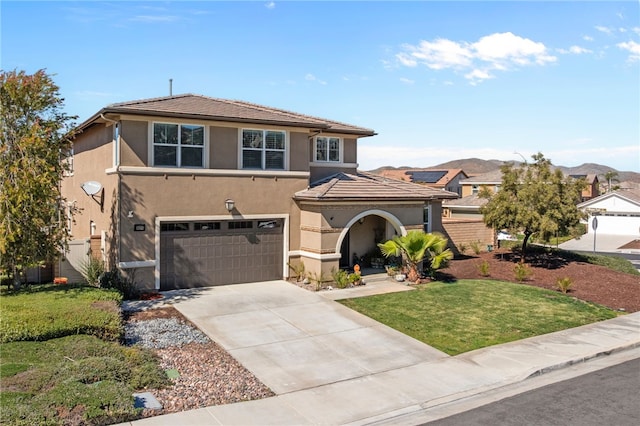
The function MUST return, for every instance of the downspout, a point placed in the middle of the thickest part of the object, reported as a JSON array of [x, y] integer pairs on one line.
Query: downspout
[[119, 175]]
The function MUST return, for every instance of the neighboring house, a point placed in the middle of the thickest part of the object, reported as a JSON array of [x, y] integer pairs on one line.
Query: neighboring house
[[617, 213], [192, 191], [490, 181], [447, 179], [592, 188]]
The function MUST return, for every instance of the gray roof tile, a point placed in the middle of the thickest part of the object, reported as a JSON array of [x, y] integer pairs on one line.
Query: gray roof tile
[[367, 186], [204, 107]]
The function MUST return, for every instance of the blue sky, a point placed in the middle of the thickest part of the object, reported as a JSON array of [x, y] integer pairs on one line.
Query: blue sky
[[437, 81]]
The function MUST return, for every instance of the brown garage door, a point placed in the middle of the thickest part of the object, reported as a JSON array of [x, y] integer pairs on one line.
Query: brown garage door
[[200, 254]]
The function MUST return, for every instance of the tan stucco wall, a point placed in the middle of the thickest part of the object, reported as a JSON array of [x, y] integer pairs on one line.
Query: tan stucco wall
[[93, 153], [299, 151], [468, 189], [467, 231], [134, 145], [148, 197], [350, 151], [223, 148]]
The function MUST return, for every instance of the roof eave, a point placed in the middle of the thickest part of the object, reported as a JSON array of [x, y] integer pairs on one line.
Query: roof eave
[[310, 125]]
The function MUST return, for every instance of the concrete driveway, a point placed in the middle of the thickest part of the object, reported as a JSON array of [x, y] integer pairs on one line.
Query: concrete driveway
[[292, 339]]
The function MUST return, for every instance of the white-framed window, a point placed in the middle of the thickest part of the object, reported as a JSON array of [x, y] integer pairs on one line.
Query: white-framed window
[[327, 149], [426, 218], [263, 149], [474, 189], [178, 145]]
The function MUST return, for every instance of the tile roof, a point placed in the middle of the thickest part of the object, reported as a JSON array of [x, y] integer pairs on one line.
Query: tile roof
[[630, 194], [369, 187], [491, 177], [203, 107], [468, 201], [435, 177]]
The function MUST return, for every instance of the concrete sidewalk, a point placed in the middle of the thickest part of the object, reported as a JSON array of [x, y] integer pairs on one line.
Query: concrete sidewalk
[[330, 365], [604, 243]]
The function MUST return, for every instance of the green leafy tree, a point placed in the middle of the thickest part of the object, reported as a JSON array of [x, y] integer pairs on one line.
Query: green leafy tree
[[416, 247], [34, 136], [535, 198]]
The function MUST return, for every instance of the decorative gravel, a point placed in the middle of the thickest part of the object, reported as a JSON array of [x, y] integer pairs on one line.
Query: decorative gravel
[[162, 333], [207, 374]]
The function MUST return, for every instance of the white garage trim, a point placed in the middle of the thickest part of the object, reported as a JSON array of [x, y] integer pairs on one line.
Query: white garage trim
[[137, 264], [160, 219]]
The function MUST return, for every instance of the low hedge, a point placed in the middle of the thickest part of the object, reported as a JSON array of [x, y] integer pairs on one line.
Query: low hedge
[[48, 311]]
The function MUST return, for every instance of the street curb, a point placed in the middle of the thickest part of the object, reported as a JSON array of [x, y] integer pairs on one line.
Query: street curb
[[398, 414], [582, 359]]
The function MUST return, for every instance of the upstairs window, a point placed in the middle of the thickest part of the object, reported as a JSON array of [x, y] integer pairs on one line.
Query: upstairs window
[[327, 149], [263, 149], [178, 145]]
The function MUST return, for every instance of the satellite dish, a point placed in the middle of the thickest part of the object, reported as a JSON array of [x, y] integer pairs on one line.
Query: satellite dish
[[91, 187]]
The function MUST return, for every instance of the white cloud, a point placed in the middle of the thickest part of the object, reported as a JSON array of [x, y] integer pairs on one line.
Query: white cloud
[[495, 52], [311, 77], [501, 47], [603, 29], [407, 81], [636, 30], [155, 18], [633, 48], [579, 50], [406, 60], [477, 76], [576, 50], [270, 5], [442, 54], [587, 38]]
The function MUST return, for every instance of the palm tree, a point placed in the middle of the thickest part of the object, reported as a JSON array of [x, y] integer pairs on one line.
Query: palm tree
[[417, 246], [611, 176]]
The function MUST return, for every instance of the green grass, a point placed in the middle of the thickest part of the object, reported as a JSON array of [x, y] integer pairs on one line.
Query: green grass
[[78, 378], [471, 314], [48, 311]]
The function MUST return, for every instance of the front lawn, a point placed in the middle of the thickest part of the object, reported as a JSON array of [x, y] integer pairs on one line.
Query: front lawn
[[61, 361], [471, 314]]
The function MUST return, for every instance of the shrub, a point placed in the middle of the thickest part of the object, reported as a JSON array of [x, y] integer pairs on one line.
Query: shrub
[[522, 272], [355, 278], [298, 270], [475, 246], [341, 277], [564, 284], [318, 279], [483, 268], [462, 248], [81, 376], [126, 286], [91, 269]]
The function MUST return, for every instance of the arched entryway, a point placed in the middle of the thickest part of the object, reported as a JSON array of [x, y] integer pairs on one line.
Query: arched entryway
[[358, 240]]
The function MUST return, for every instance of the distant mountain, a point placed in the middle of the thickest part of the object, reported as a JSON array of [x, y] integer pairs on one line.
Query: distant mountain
[[476, 166]]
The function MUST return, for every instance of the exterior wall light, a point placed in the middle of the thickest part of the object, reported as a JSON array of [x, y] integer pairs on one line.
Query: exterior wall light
[[229, 205]]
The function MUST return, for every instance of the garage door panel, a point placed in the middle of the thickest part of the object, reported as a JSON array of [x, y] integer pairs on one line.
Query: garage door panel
[[217, 257]]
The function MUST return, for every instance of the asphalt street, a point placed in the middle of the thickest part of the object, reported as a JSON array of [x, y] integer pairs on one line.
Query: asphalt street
[[605, 397]]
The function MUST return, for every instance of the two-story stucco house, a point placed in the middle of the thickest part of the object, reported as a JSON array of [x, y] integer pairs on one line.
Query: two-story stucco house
[[192, 191]]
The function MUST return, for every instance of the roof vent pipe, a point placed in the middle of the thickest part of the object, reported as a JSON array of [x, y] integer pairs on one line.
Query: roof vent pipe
[[170, 87]]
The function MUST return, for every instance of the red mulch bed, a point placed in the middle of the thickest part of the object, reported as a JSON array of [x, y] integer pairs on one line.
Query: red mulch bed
[[591, 283]]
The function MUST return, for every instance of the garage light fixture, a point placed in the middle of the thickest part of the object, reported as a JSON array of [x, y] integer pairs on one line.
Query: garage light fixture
[[229, 205]]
